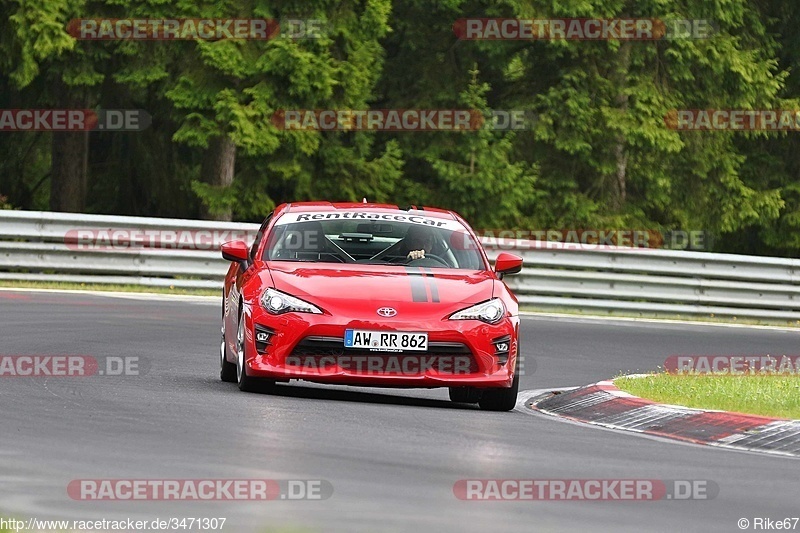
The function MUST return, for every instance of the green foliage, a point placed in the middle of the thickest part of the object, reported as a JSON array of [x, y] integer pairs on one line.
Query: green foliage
[[477, 173], [598, 155], [33, 33]]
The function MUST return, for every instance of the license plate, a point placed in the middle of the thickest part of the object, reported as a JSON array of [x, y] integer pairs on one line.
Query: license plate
[[385, 341]]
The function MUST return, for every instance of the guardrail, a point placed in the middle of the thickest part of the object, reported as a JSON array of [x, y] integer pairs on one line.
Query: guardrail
[[48, 246]]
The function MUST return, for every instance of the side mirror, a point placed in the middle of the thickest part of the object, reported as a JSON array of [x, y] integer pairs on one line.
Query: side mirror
[[237, 252], [507, 263]]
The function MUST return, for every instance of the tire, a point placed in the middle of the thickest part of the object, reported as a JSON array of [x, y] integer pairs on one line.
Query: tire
[[500, 399], [227, 370], [464, 394], [246, 383]]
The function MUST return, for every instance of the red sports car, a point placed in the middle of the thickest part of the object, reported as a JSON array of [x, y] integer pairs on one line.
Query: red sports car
[[371, 295]]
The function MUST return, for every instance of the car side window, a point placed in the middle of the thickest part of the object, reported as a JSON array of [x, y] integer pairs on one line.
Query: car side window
[[259, 236]]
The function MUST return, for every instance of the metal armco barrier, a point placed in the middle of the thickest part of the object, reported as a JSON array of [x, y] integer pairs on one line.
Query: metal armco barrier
[[49, 246]]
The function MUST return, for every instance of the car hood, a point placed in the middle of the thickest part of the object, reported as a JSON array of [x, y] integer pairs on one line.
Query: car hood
[[348, 285]]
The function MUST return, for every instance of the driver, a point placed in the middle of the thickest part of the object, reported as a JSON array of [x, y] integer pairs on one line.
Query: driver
[[418, 241]]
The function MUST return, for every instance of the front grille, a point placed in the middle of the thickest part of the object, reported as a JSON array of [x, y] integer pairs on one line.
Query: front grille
[[317, 345], [316, 352]]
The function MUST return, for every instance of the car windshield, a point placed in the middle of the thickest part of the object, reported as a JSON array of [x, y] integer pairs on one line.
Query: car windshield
[[373, 238]]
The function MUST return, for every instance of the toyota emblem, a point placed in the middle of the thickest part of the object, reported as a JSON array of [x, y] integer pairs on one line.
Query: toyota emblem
[[387, 312]]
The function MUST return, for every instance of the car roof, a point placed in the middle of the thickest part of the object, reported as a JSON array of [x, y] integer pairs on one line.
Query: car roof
[[294, 207]]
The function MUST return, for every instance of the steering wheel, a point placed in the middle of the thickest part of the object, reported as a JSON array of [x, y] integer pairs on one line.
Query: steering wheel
[[433, 257]]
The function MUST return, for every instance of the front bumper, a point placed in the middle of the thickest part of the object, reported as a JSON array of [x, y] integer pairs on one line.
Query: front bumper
[[311, 347]]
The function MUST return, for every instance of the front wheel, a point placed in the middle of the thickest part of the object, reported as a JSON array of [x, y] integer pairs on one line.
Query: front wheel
[[500, 399], [246, 383], [464, 394], [227, 371]]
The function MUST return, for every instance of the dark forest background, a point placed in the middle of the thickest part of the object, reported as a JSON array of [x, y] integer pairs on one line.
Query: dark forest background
[[599, 155]]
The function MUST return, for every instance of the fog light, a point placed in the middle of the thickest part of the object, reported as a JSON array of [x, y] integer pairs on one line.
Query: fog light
[[501, 348], [263, 336]]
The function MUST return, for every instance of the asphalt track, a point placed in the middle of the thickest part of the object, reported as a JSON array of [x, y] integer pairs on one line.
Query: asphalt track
[[391, 455]]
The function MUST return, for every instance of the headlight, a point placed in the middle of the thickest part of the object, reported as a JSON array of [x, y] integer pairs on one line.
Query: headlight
[[491, 312], [277, 302]]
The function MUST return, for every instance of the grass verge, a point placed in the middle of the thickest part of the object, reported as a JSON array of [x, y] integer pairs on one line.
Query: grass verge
[[774, 396], [109, 288]]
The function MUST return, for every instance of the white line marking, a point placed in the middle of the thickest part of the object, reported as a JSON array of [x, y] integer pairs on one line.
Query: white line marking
[[206, 300], [153, 296]]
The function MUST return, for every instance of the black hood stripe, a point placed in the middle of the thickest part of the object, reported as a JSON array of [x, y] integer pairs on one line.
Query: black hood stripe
[[432, 281], [423, 279], [418, 291]]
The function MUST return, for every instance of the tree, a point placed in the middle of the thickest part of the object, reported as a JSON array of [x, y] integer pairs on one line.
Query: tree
[[35, 37], [227, 92]]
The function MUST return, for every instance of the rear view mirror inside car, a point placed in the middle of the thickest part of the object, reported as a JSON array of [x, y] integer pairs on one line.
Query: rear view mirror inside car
[[375, 229]]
